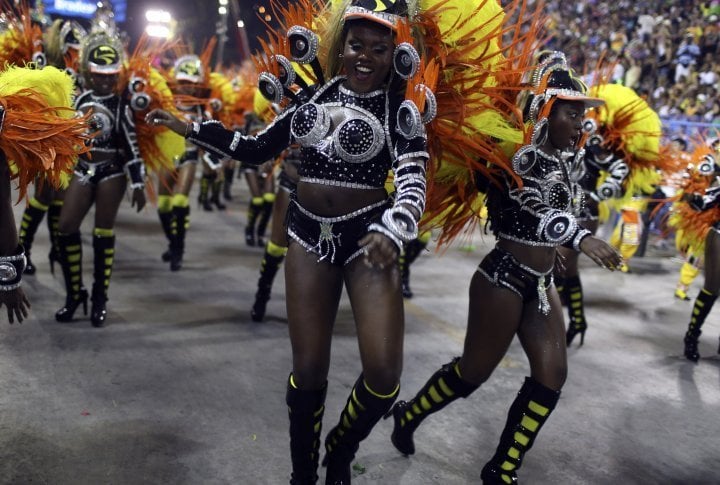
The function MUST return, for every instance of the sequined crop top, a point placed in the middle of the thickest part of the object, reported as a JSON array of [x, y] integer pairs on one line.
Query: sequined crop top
[[346, 139], [112, 122], [541, 213]]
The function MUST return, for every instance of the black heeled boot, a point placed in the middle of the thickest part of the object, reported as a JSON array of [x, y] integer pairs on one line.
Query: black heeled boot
[[701, 308], [215, 188], [363, 410], [265, 214], [204, 194], [177, 244], [31, 219], [526, 416], [167, 221], [576, 310], [254, 209], [444, 387], [53, 223], [104, 255], [70, 257], [268, 269], [305, 410]]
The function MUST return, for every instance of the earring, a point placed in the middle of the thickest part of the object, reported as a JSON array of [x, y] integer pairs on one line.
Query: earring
[[341, 55]]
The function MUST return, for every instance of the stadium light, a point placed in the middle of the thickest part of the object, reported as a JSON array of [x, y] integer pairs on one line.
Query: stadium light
[[158, 16]]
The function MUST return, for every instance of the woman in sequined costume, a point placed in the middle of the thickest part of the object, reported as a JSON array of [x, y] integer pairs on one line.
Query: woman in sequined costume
[[344, 230], [512, 292], [100, 178]]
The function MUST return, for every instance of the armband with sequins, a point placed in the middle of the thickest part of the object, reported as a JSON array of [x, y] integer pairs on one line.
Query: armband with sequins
[[11, 269]]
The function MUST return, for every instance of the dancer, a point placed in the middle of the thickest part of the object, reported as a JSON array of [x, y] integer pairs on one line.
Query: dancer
[[39, 137], [621, 152], [100, 178], [696, 218], [512, 291]]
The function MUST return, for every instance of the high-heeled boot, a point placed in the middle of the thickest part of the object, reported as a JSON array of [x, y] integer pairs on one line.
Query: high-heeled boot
[[305, 409], [703, 304], [167, 221], [204, 194], [363, 410], [177, 244], [70, 257], [272, 259], [526, 416], [228, 173], [215, 187], [444, 387], [256, 204], [31, 219], [104, 255], [265, 213], [409, 255], [53, 223], [576, 310]]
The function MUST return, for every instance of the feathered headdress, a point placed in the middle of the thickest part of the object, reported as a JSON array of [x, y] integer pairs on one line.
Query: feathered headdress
[[39, 131]]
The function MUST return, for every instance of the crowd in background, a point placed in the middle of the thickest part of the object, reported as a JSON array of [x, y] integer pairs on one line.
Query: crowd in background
[[668, 51]]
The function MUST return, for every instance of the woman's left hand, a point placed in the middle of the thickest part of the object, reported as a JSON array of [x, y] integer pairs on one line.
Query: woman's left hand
[[379, 250], [138, 199]]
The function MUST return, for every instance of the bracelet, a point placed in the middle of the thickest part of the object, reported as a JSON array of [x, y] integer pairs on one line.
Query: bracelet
[[11, 269], [188, 129]]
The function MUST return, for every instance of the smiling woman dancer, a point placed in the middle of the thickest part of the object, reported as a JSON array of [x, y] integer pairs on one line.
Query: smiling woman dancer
[[512, 290], [343, 228]]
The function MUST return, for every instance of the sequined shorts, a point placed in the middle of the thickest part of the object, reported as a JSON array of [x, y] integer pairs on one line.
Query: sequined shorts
[[333, 239], [503, 270], [89, 173], [189, 157]]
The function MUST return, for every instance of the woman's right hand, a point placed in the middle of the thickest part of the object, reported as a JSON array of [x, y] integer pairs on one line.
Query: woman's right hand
[[601, 252], [159, 117]]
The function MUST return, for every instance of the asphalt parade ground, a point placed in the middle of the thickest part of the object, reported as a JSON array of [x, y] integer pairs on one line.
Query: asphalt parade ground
[[181, 387]]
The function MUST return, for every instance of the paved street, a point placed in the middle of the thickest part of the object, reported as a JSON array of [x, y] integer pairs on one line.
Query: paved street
[[181, 387]]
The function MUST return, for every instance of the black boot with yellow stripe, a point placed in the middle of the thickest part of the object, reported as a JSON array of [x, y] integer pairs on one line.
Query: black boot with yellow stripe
[[166, 222], [703, 304], [526, 416], [444, 387], [180, 224], [576, 310], [305, 409], [363, 410], [256, 205], [272, 259], [104, 255], [206, 182], [31, 219], [53, 222], [265, 213], [70, 257]]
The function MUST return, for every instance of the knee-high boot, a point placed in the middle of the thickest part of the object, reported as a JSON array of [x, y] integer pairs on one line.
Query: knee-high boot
[[444, 387], [254, 209], [410, 253], [215, 187], [703, 304], [363, 410], [561, 289], [31, 219], [526, 416], [576, 310], [104, 255], [167, 218], [265, 213], [70, 257], [305, 409], [53, 222], [177, 244], [272, 259], [204, 195]]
